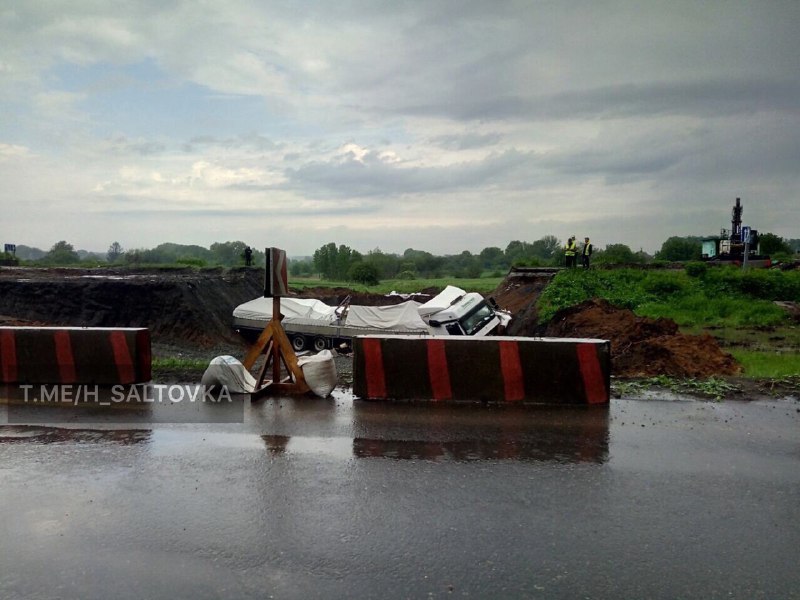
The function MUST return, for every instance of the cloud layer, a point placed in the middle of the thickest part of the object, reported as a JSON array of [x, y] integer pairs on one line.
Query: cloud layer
[[442, 126]]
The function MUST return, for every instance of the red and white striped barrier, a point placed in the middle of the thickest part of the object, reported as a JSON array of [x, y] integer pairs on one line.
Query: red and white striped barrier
[[64, 355], [490, 369]]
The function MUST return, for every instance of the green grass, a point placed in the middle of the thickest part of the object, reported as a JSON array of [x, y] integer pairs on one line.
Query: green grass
[[170, 363], [483, 285], [724, 297], [766, 364], [697, 309]]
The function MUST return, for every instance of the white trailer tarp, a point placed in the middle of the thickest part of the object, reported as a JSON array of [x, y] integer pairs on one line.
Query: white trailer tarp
[[260, 309], [399, 317]]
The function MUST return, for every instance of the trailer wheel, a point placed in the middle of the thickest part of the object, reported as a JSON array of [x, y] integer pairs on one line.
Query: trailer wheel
[[320, 343], [298, 343]]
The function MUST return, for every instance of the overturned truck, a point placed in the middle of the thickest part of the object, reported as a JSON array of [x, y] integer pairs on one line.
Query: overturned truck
[[312, 324]]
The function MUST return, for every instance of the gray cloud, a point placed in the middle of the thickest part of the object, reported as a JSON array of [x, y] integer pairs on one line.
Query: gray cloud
[[700, 99], [466, 141], [375, 177], [629, 117], [250, 141]]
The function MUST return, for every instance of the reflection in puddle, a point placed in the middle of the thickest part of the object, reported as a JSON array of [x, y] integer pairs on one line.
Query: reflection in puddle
[[588, 446], [575, 451], [339, 447]]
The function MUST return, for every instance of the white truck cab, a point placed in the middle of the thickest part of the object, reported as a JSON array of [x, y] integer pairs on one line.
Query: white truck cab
[[456, 312]]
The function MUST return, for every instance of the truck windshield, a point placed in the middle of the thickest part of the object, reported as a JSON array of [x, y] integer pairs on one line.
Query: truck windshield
[[473, 322]]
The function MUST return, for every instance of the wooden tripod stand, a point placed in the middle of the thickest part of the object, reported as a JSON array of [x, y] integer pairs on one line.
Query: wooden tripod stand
[[276, 345]]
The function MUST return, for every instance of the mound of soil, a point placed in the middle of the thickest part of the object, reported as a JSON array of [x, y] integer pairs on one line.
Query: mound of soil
[[183, 308], [640, 346], [178, 306], [518, 294]]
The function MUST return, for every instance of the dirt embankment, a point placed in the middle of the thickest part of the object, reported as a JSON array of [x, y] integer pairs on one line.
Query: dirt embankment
[[191, 310], [640, 347], [179, 306], [518, 294], [643, 347]]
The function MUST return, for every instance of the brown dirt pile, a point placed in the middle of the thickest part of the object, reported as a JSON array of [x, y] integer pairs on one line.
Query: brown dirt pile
[[178, 306], [643, 347], [182, 307], [518, 294]]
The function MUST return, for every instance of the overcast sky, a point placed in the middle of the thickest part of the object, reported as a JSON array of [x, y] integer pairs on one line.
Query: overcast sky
[[438, 125]]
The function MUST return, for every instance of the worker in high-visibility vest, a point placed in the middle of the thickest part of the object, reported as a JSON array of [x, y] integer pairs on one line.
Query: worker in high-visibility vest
[[570, 252], [586, 254]]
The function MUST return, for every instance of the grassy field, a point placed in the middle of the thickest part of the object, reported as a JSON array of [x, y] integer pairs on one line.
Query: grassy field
[[766, 364], [484, 285], [735, 307]]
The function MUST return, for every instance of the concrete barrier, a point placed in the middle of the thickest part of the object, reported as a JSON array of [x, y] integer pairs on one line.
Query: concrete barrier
[[489, 369], [65, 355]]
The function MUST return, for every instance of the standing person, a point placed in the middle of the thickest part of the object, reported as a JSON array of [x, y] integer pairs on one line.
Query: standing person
[[586, 253], [570, 252], [248, 256]]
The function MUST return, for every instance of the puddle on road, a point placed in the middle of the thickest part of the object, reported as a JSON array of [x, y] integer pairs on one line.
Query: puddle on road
[[339, 428], [547, 447], [556, 449], [60, 435]]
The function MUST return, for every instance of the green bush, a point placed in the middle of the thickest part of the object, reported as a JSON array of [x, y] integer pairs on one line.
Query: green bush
[[696, 269], [365, 273], [660, 286], [191, 262], [726, 296]]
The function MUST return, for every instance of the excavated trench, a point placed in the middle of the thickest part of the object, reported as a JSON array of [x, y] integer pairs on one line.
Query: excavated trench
[[191, 310]]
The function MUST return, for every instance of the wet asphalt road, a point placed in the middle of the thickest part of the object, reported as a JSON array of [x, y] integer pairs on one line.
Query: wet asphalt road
[[343, 499]]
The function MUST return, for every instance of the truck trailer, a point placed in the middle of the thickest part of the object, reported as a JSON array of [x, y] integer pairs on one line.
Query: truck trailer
[[312, 324]]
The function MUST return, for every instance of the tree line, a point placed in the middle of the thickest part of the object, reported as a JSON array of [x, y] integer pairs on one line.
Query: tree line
[[343, 263], [224, 254]]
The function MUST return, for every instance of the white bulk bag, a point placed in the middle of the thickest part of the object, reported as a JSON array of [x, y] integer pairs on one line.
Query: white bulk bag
[[319, 371], [228, 372]]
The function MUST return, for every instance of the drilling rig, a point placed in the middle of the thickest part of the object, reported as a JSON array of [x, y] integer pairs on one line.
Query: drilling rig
[[737, 246]]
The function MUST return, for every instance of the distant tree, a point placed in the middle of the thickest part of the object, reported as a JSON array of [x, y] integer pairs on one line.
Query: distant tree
[[134, 257], [517, 251], [425, 263], [325, 260], [115, 252], [334, 263], [680, 249], [29, 253], [466, 265], [616, 254], [492, 258], [546, 248], [387, 265], [301, 268], [772, 244], [363, 272], [228, 254], [62, 253], [794, 244]]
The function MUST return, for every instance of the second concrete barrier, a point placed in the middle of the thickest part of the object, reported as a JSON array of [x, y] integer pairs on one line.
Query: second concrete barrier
[[490, 369]]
